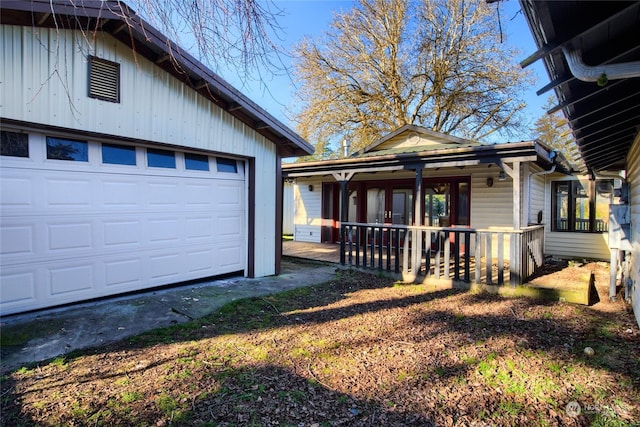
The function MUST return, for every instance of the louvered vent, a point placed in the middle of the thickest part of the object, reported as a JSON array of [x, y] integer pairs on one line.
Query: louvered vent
[[104, 79]]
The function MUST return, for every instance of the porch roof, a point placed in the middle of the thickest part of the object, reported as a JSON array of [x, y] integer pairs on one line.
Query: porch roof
[[439, 156]]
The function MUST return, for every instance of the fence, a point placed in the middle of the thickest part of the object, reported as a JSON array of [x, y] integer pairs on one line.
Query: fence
[[453, 253]]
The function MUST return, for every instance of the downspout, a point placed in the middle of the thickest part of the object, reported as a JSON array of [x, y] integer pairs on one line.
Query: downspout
[[543, 172], [599, 73]]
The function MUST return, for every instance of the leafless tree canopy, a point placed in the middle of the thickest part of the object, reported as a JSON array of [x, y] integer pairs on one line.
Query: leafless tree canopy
[[243, 34], [387, 63], [553, 130]]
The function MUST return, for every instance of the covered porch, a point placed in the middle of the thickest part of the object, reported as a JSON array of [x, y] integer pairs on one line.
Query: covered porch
[[441, 254]]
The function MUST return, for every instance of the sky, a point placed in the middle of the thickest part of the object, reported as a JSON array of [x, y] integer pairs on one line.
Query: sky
[[309, 18]]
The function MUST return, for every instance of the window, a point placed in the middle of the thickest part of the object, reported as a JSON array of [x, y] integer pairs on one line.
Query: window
[[67, 149], [161, 158], [196, 162], [226, 165], [581, 206], [118, 154], [104, 79], [14, 144]]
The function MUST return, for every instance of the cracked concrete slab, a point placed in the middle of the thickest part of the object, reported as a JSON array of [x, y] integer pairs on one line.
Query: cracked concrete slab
[[38, 336]]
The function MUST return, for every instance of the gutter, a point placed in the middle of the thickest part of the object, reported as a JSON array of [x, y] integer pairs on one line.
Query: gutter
[[599, 73]]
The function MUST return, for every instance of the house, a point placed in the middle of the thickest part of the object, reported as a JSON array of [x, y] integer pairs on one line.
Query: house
[[125, 163], [490, 199], [590, 51]]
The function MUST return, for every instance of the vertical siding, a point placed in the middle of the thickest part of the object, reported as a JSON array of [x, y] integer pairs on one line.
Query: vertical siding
[[308, 210], [44, 75], [287, 209], [633, 175]]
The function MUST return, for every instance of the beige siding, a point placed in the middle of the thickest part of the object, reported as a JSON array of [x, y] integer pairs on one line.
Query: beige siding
[[491, 206], [44, 74], [577, 245], [633, 175], [287, 209], [308, 213], [538, 197]]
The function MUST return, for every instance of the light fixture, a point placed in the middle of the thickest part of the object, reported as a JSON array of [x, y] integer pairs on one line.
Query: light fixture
[[502, 176], [489, 182], [310, 187]]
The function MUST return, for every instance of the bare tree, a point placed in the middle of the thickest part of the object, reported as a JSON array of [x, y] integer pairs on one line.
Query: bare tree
[[242, 34], [553, 130], [387, 63]]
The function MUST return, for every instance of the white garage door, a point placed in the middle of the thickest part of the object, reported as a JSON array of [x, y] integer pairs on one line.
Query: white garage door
[[81, 219]]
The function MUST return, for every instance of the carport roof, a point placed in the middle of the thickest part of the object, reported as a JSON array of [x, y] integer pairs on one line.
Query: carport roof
[[603, 115], [117, 19]]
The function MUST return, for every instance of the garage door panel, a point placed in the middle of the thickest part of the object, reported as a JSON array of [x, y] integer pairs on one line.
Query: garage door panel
[[69, 193], [198, 229], [200, 261], [71, 279], [16, 239], [18, 287], [229, 194], [123, 272], [70, 236], [199, 195], [228, 258], [230, 227], [163, 194], [16, 192], [118, 234], [163, 230], [165, 265], [120, 194]]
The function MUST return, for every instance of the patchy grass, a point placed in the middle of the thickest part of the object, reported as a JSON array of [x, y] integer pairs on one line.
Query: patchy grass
[[361, 350]]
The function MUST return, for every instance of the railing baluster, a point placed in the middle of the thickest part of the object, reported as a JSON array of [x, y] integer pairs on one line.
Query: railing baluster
[[467, 256], [397, 250], [447, 254], [358, 231], [478, 257], [381, 234], [456, 255], [500, 237], [372, 249], [364, 246], [389, 236], [489, 260]]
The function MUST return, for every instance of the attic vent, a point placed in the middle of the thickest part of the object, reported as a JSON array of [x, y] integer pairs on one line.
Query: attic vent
[[104, 79]]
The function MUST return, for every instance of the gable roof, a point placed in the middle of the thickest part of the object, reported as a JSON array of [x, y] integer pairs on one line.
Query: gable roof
[[117, 19], [413, 139], [580, 41], [444, 152]]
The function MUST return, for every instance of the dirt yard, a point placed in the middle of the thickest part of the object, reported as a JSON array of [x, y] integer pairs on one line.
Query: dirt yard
[[359, 351]]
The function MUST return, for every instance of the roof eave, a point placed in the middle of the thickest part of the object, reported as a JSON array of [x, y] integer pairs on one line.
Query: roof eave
[[153, 45]]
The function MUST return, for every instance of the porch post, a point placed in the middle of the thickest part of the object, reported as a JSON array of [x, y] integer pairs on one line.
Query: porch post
[[417, 220], [516, 249], [343, 178]]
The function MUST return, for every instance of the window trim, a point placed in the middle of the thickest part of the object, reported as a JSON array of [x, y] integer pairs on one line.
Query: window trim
[[86, 144], [571, 206], [21, 138]]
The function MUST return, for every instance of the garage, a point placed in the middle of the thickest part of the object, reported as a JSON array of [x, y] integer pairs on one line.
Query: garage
[[83, 219]]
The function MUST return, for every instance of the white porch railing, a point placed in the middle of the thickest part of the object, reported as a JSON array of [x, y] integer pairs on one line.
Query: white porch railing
[[453, 253]]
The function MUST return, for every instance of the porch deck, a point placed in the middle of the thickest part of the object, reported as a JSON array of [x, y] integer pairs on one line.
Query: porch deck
[[326, 252], [330, 252]]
